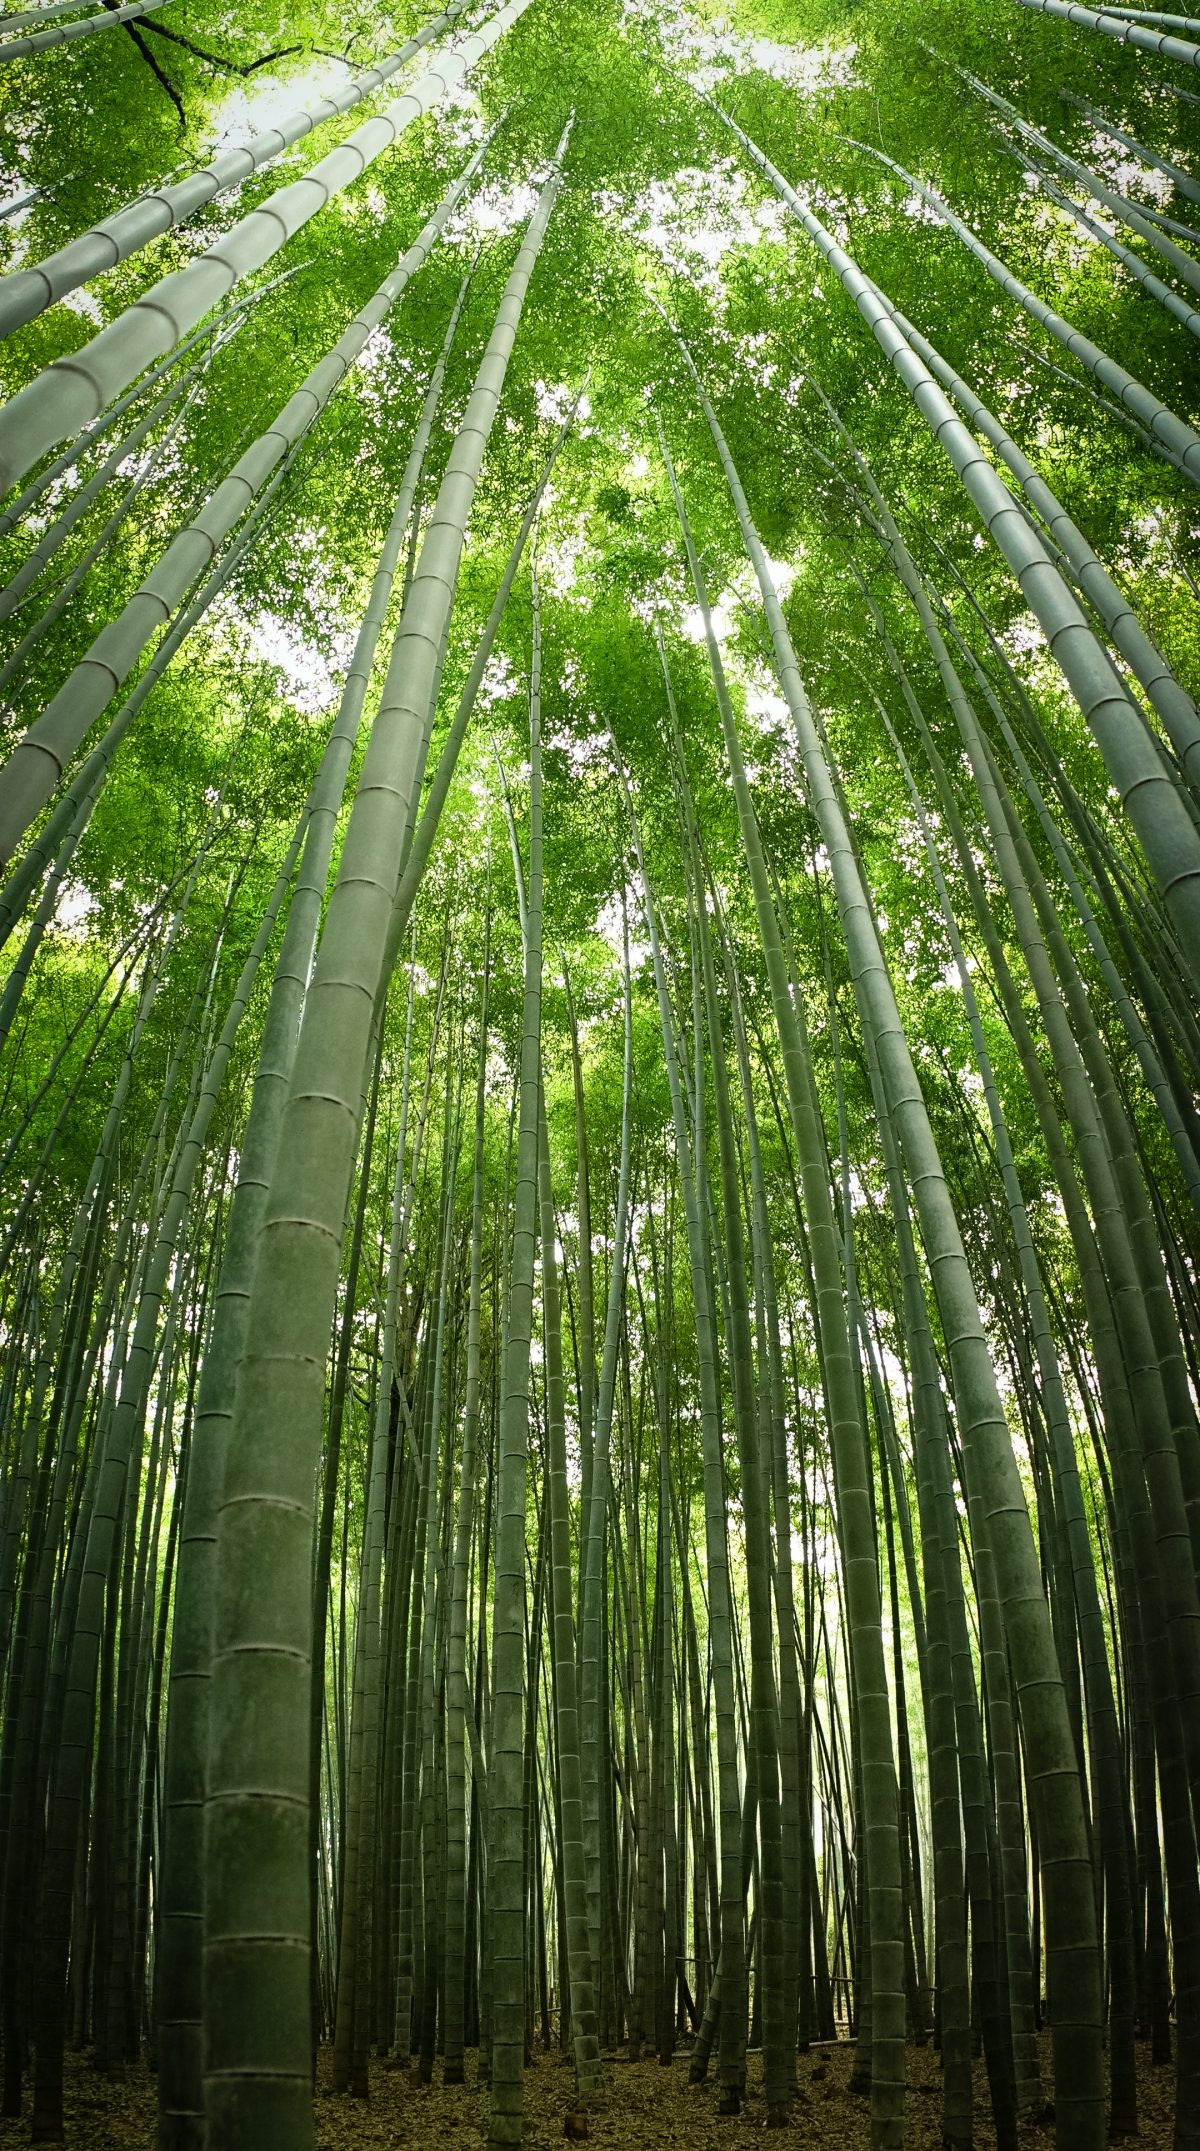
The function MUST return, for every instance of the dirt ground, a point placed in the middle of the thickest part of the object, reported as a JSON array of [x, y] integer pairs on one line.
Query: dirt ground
[[648, 2109]]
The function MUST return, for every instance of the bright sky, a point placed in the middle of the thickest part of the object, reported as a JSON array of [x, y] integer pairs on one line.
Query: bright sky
[[691, 221], [253, 106]]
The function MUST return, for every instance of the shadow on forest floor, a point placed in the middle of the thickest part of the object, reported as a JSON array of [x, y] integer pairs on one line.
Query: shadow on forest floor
[[649, 2109]]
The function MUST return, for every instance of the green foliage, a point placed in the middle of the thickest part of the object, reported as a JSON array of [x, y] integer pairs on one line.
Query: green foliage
[[658, 205]]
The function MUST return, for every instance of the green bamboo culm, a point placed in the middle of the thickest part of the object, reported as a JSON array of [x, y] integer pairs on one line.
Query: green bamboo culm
[[506, 1858], [1071, 1939], [257, 1897]]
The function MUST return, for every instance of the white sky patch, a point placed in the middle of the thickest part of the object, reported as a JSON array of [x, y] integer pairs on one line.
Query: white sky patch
[[1075, 242], [1126, 174], [860, 1198], [715, 51], [560, 562], [609, 926], [74, 908], [1076, 235], [13, 188], [500, 682], [694, 219], [581, 754], [497, 1078], [921, 211], [741, 595], [309, 680], [1023, 638], [1147, 550], [251, 108], [491, 211], [646, 604], [553, 403], [692, 622], [375, 350], [765, 706], [814, 70], [465, 122], [781, 574], [83, 302]]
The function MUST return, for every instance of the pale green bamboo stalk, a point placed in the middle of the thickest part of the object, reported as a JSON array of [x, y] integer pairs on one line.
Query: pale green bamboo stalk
[[1127, 33], [25, 293], [1149, 792], [454, 2030], [594, 1526], [1072, 1955], [873, 507], [425, 831], [65, 827], [1182, 181], [15, 590], [1142, 222], [1171, 700], [1180, 310], [179, 1969], [68, 393], [113, 1463], [1162, 422], [258, 2064], [1149, 14], [103, 425], [585, 2044], [63, 33], [846, 1424], [37, 762], [440, 1481], [1058, 1419], [87, 560], [1157, 1082], [506, 1853], [778, 2036], [1110, 409], [729, 1983]]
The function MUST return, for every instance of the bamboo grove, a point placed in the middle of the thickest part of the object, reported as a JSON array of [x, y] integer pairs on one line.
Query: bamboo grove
[[599, 1041]]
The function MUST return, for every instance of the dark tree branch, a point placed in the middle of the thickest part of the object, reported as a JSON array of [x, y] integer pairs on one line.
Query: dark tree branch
[[160, 74], [283, 52], [214, 59]]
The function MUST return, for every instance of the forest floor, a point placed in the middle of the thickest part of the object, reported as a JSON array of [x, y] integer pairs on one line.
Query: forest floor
[[649, 2109]]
